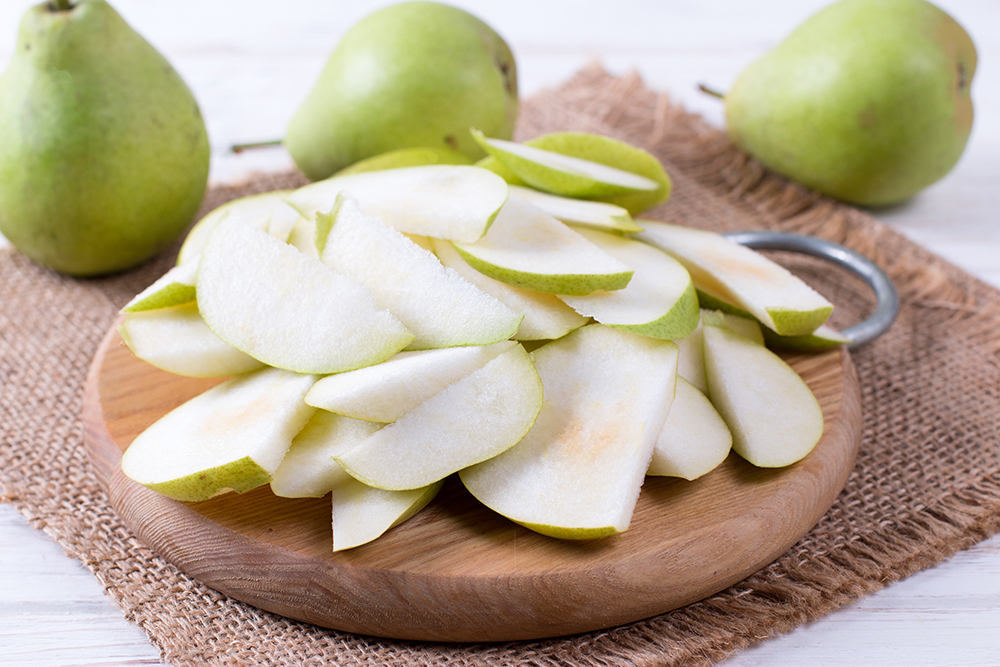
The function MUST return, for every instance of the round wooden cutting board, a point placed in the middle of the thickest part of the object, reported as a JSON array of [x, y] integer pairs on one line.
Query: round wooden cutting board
[[457, 571]]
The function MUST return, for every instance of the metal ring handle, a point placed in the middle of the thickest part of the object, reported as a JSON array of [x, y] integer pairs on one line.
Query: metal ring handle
[[887, 307]]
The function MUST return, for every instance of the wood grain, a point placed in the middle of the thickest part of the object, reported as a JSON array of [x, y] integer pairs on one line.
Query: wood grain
[[457, 571]]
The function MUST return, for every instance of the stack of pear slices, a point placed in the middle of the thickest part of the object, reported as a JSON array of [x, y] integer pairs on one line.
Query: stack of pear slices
[[511, 322]]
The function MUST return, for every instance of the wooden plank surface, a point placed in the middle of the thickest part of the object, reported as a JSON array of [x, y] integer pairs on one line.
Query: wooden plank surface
[[250, 63], [457, 571]]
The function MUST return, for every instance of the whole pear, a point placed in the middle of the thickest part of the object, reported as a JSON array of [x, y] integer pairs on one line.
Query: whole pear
[[417, 74], [867, 101], [105, 154]]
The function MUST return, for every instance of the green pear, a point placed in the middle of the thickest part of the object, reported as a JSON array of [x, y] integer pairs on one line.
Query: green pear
[[105, 154], [416, 74], [867, 101]]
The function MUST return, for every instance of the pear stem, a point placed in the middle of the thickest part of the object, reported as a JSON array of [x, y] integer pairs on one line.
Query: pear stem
[[61, 5], [239, 148], [714, 93]]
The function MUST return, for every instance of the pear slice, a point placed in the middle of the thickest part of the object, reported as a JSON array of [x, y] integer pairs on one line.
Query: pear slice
[[470, 421], [746, 326], [230, 438], [618, 154], [178, 341], [545, 316], [303, 237], [694, 440], [578, 471], [173, 288], [530, 249], [773, 415], [500, 169], [440, 307], [596, 214], [823, 338], [691, 359], [406, 157], [267, 299], [743, 277], [454, 202], [659, 301], [308, 469], [362, 513], [691, 365], [561, 174], [387, 391], [268, 211]]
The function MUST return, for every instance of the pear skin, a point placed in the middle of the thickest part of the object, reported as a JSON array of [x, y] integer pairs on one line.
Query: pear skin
[[106, 156], [867, 101], [416, 74]]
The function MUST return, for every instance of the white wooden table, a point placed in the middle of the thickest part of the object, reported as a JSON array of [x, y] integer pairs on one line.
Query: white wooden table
[[250, 63]]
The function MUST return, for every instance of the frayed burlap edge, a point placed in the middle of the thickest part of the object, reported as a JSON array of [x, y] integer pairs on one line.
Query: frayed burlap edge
[[926, 484]]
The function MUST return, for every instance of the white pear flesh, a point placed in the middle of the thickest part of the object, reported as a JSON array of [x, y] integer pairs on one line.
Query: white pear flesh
[[691, 359], [387, 391], [454, 202], [773, 415], [178, 341], [579, 176], [691, 365], [440, 307], [308, 469], [470, 421], [529, 248], [578, 472], [230, 438], [545, 316], [267, 299], [268, 211], [741, 276], [660, 300], [748, 327], [174, 288], [362, 513], [303, 237], [596, 214], [694, 440]]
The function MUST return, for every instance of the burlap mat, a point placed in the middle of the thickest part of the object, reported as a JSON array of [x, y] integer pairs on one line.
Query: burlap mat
[[926, 483]]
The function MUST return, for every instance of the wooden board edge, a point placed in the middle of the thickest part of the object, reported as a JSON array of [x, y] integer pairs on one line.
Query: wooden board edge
[[326, 601], [102, 450]]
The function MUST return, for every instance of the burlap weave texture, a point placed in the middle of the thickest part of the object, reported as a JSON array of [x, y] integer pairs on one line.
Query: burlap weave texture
[[926, 483]]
